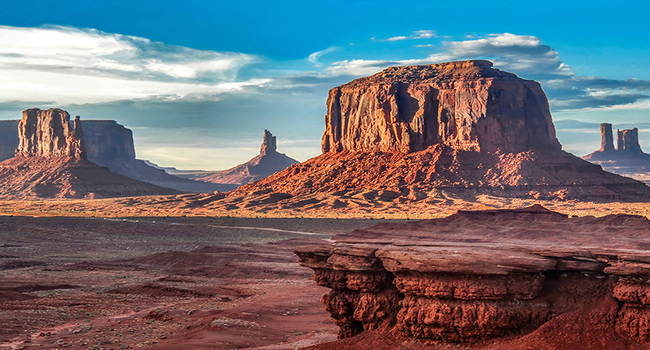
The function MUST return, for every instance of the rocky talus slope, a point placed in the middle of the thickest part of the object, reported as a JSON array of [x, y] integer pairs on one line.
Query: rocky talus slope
[[506, 277], [51, 162]]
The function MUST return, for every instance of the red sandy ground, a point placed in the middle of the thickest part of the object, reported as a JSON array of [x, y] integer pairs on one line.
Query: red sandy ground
[[82, 283]]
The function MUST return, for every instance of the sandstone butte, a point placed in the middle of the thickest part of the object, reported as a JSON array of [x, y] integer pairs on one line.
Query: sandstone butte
[[427, 133], [499, 279], [627, 158], [268, 162], [51, 162]]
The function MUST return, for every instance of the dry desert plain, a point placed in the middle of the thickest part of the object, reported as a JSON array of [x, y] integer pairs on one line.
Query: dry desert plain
[[151, 272]]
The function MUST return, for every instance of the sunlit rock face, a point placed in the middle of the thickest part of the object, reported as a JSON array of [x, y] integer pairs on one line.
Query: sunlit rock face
[[422, 135], [49, 133], [466, 105], [476, 276], [51, 162]]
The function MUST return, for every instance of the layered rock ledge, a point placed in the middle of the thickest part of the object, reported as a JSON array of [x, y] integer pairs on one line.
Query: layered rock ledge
[[476, 276]]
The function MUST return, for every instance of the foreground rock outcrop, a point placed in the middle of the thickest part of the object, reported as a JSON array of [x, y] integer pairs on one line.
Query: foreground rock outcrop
[[475, 277], [626, 159], [268, 162], [51, 162]]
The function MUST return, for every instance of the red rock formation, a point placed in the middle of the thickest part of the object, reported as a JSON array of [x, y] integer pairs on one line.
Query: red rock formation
[[607, 138], [49, 134], [268, 144], [628, 159], [268, 162], [465, 105], [51, 162], [474, 276], [110, 144], [628, 141], [411, 134]]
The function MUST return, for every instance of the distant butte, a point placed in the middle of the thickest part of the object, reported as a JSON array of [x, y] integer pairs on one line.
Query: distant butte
[[425, 134], [110, 144], [626, 159], [51, 162], [268, 162]]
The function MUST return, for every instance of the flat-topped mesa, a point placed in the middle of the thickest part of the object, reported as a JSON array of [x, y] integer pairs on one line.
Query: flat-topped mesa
[[466, 105], [49, 134], [628, 141], [268, 144]]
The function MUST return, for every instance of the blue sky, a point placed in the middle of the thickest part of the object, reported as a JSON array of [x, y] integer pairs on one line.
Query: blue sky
[[199, 81]]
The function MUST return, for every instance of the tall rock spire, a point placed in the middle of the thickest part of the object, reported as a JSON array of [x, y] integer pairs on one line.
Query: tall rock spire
[[607, 138], [268, 145]]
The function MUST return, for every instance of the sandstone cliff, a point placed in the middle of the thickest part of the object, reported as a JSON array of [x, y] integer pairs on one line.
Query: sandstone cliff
[[49, 134], [268, 162], [51, 162], [465, 105], [477, 276], [110, 144]]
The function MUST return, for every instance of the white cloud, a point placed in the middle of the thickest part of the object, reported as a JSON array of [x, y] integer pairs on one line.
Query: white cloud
[[314, 57], [424, 34], [418, 34], [71, 65], [517, 53]]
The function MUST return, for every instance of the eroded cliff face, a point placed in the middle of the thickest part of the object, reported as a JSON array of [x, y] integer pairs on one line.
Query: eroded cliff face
[[51, 162], [466, 105], [106, 140], [476, 276], [49, 134]]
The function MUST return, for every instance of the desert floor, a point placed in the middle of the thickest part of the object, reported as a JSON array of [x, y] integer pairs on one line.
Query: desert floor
[[158, 272], [165, 283]]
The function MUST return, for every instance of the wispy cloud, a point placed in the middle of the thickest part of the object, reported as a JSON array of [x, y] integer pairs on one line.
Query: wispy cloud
[[418, 34], [397, 38], [530, 58], [518, 53], [424, 34], [314, 57], [71, 65]]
